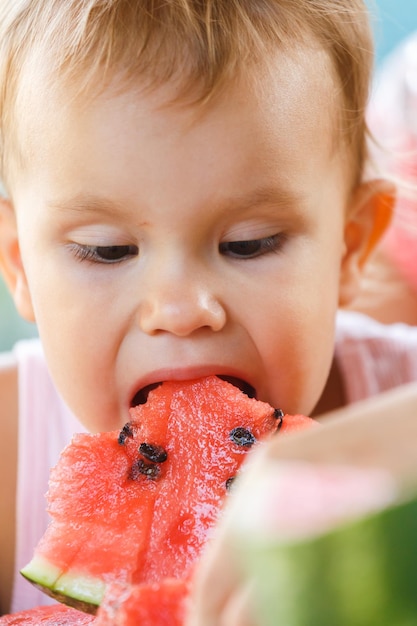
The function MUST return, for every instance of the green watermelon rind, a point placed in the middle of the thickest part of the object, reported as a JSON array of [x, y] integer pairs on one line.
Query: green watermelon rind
[[84, 593], [41, 571], [362, 573], [87, 589]]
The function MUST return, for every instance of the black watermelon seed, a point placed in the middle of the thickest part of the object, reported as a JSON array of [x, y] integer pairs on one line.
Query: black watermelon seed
[[229, 483], [127, 431], [279, 415], [242, 437], [142, 468], [154, 453]]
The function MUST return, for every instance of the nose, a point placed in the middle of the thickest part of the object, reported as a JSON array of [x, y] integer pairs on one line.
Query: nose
[[180, 305]]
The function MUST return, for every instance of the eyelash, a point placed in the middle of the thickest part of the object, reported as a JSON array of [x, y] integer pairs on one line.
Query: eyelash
[[253, 248], [244, 249], [97, 254]]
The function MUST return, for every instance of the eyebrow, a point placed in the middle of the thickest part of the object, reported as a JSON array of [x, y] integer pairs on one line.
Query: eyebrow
[[268, 196], [87, 203], [279, 198]]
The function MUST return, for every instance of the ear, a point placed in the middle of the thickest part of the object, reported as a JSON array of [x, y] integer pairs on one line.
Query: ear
[[368, 217], [11, 265]]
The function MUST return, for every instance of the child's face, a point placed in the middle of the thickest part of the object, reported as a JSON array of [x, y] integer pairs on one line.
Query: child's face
[[170, 243]]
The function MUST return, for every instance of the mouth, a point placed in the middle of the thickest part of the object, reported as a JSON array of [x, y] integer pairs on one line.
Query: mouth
[[141, 396], [240, 384]]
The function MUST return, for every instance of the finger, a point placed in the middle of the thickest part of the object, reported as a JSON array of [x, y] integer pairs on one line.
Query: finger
[[214, 583], [238, 609]]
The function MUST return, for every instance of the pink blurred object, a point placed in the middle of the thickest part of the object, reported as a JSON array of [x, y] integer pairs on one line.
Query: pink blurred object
[[392, 119]]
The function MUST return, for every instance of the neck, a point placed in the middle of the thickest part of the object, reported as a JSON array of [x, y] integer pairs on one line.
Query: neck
[[333, 396]]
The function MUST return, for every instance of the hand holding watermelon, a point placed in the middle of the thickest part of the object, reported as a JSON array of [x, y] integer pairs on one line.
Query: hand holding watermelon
[[322, 528]]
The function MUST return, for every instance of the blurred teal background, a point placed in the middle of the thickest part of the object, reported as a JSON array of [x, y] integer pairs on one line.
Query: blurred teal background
[[392, 20], [12, 327]]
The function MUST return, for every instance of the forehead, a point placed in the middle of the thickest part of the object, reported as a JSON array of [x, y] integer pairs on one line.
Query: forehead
[[293, 95]]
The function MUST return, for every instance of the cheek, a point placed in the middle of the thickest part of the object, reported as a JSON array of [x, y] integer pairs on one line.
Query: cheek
[[78, 349], [293, 329], [299, 359], [83, 376]]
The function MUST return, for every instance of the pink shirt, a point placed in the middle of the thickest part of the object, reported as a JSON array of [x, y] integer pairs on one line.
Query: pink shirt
[[372, 357]]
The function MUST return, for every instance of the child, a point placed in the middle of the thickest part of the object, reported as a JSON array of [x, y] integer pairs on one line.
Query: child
[[185, 197]]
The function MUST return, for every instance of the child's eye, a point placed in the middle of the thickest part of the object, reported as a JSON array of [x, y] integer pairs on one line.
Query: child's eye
[[105, 254], [251, 248]]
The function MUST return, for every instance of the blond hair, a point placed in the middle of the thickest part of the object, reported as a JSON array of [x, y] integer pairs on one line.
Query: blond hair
[[204, 43]]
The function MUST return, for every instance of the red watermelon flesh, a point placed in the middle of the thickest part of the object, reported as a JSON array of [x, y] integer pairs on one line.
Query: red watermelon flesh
[[56, 615], [153, 604], [122, 512]]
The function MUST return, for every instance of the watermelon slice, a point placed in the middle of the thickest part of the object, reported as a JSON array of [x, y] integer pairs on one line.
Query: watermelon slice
[[135, 506], [325, 524], [338, 544], [56, 615]]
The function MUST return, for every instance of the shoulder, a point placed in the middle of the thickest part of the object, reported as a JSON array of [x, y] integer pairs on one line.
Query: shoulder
[[374, 357], [9, 406], [8, 396], [356, 327], [8, 468]]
